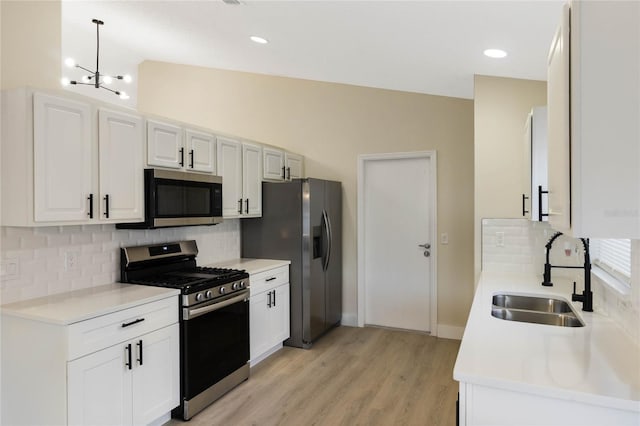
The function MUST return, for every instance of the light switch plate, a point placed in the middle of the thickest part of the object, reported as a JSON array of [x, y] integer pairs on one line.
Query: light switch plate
[[444, 238]]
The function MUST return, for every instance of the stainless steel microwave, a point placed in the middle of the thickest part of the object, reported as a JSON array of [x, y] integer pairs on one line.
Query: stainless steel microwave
[[176, 198]]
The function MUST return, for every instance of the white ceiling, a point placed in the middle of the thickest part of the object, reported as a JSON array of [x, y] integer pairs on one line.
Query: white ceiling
[[432, 47]]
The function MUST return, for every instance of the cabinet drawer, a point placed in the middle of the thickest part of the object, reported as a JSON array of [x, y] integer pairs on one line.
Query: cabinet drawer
[[107, 330], [269, 280]]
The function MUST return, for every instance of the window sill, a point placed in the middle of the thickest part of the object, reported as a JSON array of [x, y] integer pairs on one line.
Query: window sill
[[619, 287]]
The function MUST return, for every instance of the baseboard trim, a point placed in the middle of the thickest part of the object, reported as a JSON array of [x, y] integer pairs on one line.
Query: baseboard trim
[[350, 320], [450, 331]]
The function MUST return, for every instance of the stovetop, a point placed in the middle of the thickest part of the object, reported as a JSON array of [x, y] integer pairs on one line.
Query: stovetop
[[194, 279]]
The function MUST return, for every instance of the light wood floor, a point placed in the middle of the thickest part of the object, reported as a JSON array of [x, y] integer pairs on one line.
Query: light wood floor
[[351, 376]]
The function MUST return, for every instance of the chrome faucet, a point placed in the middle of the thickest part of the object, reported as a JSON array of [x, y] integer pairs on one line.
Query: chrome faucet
[[587, 296]]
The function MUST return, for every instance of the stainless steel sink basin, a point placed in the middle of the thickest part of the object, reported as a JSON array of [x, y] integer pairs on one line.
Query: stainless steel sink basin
[[534, 309], [530, 303]]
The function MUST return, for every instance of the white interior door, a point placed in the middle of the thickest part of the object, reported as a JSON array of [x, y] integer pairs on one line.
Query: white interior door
[[397, 201]]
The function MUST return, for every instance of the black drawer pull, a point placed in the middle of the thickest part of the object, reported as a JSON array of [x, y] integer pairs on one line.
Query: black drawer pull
[[270, 279], [127, 324]]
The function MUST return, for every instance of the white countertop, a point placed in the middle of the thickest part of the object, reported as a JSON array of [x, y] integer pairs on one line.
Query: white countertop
[[252, 266], [80, 305], [596, 364]]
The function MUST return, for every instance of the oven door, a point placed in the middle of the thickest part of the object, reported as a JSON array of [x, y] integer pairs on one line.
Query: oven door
[[215, 342]]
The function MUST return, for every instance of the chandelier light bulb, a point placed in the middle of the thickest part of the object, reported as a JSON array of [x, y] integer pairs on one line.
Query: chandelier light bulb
[[127, 78], [124, 96], [70, 62], [107, 79], [65, 81], [86, 79]]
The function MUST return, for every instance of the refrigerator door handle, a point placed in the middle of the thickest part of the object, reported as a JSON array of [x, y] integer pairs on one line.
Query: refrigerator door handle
[[327, 227]]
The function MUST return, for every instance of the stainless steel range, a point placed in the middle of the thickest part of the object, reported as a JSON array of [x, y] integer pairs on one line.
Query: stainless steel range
[[214, 320]]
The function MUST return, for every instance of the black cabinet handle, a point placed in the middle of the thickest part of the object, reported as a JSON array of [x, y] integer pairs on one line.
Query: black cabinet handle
[[240, 206], [269, 300], [90, 198], [270, 279], [540, 192], [524, 211], [127, 324], [182, 157], [284, 175], [106, 206], [191, 159], [247, 206], [288, 173], [127, 350], [274, 298], [139, 345]]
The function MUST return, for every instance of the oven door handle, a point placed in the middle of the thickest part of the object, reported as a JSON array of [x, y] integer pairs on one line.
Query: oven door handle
[[189, 313]]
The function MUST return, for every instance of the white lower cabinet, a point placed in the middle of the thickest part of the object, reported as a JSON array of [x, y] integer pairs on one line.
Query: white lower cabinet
[[484, 405], [130, 383], [119, 368], [268, 312]]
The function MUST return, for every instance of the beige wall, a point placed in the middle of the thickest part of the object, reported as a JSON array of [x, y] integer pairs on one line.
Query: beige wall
[[30, 33], [501, 106], [331, 124]]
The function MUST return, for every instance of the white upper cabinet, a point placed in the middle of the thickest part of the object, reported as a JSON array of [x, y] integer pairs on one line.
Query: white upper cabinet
[[274, 168], [201, 151], [280, 165], [63, 148], [251, 179], [65, 161], [594, 149], [165, 146], [171, 146], [230, 168], [121, 143], [294, 164], [534, 200]]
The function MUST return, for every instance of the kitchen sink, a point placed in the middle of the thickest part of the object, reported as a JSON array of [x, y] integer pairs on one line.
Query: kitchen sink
[[534, 309], [530, 303]]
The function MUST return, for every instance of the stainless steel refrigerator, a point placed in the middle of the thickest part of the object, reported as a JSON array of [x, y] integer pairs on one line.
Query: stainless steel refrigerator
[[302, 222]]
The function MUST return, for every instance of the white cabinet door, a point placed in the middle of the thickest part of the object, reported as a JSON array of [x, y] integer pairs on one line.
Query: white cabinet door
[[63, 155], [99, 388], [279, 315], [259, 325], [251, 180], [558, 121], [121, 145], [164, 145], [295, 165], [535, 202], [273, 164], [230, 168], [156, 374], [201, 151]]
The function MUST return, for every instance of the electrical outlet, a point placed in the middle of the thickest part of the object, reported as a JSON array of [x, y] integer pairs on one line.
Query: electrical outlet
[[500, 239], [9, 269], [70, 261], [444, 238]]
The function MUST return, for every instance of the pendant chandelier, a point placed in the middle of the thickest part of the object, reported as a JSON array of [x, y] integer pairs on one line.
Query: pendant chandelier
[[95, 78]]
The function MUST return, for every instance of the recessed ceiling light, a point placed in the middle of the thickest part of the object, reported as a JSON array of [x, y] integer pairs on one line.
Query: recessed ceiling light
[[495, 53], [259, 40]]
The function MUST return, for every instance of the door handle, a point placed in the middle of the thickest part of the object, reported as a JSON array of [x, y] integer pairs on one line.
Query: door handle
[[240, 206], [524, 208], [182, 157], [269, 300], [90, 198], [139, 344], [191, 159], [246, 210], [288, 173], [106, 203], [425, 246], [127, 361]]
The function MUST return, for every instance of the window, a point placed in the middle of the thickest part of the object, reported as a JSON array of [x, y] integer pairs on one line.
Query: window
[[614, 256]]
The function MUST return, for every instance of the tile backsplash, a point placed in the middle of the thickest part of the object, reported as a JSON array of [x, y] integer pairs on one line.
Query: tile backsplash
[[47, 260], [518, 245]]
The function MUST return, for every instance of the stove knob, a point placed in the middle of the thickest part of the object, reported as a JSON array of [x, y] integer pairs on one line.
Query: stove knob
[[222, 290], [235, 286], [198, 297], [208, 294], [242, 284]]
